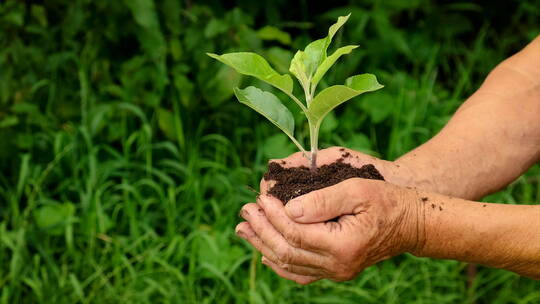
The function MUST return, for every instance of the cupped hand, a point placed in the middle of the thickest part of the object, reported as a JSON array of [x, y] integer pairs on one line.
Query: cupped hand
[[395, 173], [304, 242]]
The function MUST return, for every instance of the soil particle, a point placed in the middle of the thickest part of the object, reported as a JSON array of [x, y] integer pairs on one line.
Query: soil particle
[[424, 199], [440, 208], [346, 155], [297, 181], [484, 205], [433, 206]]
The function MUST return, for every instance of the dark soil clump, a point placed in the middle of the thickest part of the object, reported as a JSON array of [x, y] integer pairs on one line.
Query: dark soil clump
[[297, 181]]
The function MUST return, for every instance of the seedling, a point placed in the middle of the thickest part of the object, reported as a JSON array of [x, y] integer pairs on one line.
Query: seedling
[[309, 67]]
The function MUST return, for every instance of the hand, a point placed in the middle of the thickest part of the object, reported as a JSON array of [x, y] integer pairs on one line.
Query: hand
[[376, 220], [393, 172]]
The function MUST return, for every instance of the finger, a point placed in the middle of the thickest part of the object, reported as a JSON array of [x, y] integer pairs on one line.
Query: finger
[[245, 231], [327, 156], [297, 269], [330, 155], [284, 252], [300, 279], [266, 185], [313, 237], [324, 156], [351, 196]]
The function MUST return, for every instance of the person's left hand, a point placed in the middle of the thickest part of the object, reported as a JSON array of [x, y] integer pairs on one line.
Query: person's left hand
[[374, 221]]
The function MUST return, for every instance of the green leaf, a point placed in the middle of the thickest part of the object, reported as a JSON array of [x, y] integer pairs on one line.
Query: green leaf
[[329, 124], [314, 53], [53, 218], [335, 27], [220, 86], [363, 82], [298, 69], [333, 96], [273, 33], [268, 105], [329, 62], [252, 64]]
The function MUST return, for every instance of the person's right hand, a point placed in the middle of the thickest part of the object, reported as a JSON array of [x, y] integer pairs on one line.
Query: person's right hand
[[392, 172]]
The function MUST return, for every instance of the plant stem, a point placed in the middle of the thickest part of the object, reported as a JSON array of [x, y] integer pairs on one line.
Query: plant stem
[[313, 130], [307, 92], [313, 137]]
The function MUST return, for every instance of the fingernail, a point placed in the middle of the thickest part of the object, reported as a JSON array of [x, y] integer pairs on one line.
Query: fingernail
[[243, 213], [294, 208], [241, 234], [264, 260]]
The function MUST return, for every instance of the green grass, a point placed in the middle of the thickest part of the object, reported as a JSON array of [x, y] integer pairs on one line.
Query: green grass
[[123, 167]]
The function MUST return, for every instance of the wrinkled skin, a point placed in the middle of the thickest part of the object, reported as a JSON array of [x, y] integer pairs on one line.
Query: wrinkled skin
[[488, 143], [374, 223]]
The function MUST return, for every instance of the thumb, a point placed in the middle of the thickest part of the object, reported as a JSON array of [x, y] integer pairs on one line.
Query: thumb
[[324, 204]]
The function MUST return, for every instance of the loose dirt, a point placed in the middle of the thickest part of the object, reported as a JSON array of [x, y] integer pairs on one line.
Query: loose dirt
[[297, 181]]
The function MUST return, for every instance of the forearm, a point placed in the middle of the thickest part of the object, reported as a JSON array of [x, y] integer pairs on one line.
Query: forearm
[[492, 138], [495, 235]]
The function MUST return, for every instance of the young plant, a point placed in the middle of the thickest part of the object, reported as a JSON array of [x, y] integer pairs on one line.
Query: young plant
[[309, 67]]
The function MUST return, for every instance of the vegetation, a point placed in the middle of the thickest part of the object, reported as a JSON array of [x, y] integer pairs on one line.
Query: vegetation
[[309, 67], [120, 169]]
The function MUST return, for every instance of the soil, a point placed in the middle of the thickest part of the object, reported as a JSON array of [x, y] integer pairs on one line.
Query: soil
[[297, 181]]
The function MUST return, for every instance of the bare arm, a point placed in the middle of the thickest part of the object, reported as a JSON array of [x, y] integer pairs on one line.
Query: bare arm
[[375, 220], [495, 235], [492, 138]]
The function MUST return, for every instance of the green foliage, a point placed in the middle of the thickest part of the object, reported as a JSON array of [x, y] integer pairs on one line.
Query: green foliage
[[308, 66], [268, 105], [120, 172], [254, 65], [333, 96]]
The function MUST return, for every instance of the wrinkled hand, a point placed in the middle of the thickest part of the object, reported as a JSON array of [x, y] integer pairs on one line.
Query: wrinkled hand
[[395, 173], [376, 220]]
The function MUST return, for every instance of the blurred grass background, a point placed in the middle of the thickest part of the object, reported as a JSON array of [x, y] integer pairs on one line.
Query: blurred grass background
[[124, 158]]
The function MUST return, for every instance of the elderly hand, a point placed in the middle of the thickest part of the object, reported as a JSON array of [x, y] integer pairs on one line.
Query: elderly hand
[[393, 172], [334, 232]]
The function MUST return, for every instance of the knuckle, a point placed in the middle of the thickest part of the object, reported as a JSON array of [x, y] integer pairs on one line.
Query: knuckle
[[285, 254], [318, 200], [294, 236], [287, 267]]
